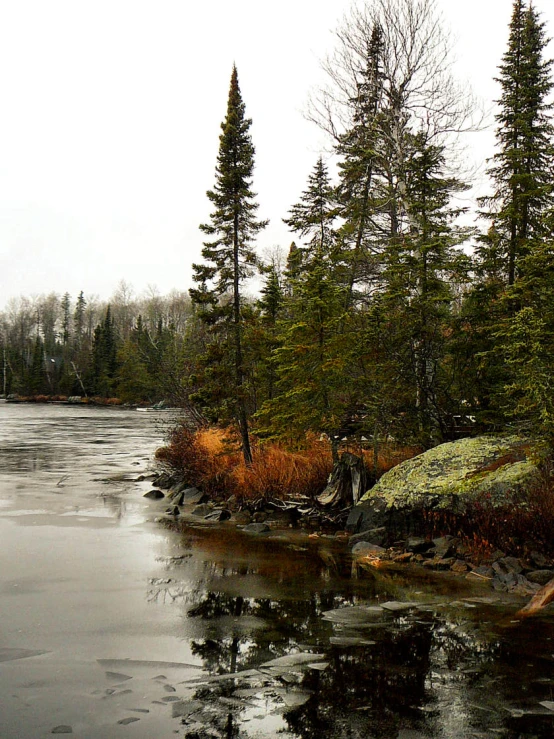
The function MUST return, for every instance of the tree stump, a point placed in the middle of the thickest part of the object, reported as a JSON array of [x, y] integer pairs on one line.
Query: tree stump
[[347, 483]]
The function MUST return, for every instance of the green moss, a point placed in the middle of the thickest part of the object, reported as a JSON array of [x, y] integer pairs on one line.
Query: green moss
[[458, 471]]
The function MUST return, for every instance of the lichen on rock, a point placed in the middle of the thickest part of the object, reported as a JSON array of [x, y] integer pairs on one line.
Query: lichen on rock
[[455, 473]]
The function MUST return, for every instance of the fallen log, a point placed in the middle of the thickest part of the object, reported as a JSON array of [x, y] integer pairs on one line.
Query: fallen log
[[542, 598]]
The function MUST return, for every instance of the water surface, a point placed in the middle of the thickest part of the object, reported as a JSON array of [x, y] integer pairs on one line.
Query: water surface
[[116, 627]]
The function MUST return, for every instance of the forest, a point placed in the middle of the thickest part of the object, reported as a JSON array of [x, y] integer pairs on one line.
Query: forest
[[400, 309]]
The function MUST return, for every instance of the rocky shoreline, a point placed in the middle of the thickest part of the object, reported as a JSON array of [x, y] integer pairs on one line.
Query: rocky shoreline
[[189, 507]]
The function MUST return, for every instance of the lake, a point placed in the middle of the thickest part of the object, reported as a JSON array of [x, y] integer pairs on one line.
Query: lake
[[111, 625]]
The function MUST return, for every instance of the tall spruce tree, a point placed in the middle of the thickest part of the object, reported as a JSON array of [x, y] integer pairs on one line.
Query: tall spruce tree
[[312, 217], [230, 257], [522, 170]]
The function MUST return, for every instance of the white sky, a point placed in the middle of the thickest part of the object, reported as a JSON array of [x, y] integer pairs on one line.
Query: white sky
[[109, 125]]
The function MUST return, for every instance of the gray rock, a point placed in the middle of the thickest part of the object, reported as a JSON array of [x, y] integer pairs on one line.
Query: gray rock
[[374, 535], [416, 545], [444, 547], [366, 548], [484, 571], [540, 576], [202, 510], [242, 517], [154, 495], [130, 720], [512, 582], [259, 517], [453, 475], [62, 730], [256, 528], [540, 561], [221, 514], [193, 496], [173, 511], [507, 566]]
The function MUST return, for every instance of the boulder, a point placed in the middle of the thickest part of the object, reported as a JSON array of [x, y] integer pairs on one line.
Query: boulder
[[366, 549], [256, 528], [154, 495], [221, 514], [541, 577], [202, 510], [496, 470]]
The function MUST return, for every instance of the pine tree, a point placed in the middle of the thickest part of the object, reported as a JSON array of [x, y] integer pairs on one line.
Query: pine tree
[[312, 217], [522, 170], [230, 257]]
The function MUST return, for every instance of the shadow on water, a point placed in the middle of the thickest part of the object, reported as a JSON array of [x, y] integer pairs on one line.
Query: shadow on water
[[293, 646]]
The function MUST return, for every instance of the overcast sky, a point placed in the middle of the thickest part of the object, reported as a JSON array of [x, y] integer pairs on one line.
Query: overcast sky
[[109, 125]]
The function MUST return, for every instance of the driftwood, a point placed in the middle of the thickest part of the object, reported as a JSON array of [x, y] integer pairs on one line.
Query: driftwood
[[542, 598], [347, 482]]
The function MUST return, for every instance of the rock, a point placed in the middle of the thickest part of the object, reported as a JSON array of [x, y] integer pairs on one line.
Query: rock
[[193, 496], [242, 517], [130, 720], [459, 566], [62, 729], [540, 561], [173, 511], [541, 577], [367, 515], [202, 510], [452, 475], [404, 557], [164, 481], [176, 489], [259, 517], [154, 495], [374, 535], [365, 549], [221, 514], [444, 547], [417, 545], [256, 528], [507, 566], [512, 582]]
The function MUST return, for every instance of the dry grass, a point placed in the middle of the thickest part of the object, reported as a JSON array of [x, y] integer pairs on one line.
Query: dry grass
[[211, 459], [517, 528]]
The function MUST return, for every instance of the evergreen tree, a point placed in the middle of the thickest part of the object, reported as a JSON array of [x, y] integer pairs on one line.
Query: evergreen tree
[[522, 169], [313, 216], [230, 257]]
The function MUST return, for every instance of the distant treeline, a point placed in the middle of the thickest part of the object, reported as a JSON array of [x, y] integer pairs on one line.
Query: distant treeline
[[126, 347]]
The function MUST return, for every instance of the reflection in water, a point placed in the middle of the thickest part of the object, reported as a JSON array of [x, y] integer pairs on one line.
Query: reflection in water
[[441, 668]]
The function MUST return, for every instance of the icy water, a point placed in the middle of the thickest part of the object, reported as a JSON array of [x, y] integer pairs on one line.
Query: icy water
[[112, 626]]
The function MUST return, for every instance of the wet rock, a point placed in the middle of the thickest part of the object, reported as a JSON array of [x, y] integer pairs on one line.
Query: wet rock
[[365, 549], [242, 518], [164, 481], [444, 546], [540, 561], [540, 576], [62, 730], [118, 677], [129, 720], [367, 515], [193, 496], [256, 528], [376, 536], [185, 708], [221, 514], [403, 558], [154, 495], [395, 605], [512, 582], [459, 566], [173, 510], [202, 510], [259, 517], [417, 545], [507, 565]]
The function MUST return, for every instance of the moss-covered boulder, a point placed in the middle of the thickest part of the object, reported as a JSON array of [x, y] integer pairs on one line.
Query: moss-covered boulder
[[495, 469]]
